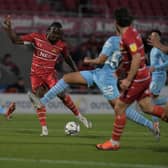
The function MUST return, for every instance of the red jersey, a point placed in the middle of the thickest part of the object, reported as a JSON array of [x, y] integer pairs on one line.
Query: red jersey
[[130, 44], [45, 54]]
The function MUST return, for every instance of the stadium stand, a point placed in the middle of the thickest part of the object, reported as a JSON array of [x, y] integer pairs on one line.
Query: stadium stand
[[138, 7]]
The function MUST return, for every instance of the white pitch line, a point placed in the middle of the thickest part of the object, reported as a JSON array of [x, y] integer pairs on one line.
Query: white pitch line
[[84, 163]]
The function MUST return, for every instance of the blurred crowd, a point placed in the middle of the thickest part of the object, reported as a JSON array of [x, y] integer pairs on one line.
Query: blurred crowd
[[11, 80]]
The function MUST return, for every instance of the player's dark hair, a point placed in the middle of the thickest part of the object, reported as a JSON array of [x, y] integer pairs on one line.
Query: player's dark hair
[[55, 24], [123, 17], [155, 31]]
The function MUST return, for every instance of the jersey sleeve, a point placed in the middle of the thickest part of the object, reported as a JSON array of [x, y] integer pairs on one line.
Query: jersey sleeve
[[107, 48], [132, 44], [154, 57], [29, 37]]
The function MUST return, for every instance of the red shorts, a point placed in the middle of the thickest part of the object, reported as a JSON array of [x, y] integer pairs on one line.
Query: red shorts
[[137, 91], [48, 80]]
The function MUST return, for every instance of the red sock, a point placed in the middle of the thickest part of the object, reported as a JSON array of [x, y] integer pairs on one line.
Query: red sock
[[159, 111], [41, 114], [70, 104], [119, 124]]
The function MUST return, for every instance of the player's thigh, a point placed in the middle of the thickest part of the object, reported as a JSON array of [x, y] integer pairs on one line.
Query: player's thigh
[[87, 76], [50, 79], [146, 105], [36, 82], [136, 91], [107, 85]]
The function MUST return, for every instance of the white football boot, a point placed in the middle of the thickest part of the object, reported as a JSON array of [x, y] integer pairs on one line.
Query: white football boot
[[86, 123], [44, 131]]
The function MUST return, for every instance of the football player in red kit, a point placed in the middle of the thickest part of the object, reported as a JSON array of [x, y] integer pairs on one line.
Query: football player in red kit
[[47, 49], [135, 85]]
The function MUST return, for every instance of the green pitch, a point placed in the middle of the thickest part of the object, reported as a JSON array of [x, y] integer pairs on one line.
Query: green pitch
[[22, 147]]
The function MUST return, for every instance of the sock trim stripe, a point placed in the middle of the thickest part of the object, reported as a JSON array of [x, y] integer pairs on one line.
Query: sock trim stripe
[[119, 126]]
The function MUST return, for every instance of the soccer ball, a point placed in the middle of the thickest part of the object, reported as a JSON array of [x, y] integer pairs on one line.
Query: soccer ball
[[72, 128]]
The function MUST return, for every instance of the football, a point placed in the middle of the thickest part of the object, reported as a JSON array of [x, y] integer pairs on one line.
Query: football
[[72, 128]]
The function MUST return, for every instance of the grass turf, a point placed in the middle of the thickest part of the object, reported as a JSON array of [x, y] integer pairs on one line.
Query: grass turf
[[21, 145]]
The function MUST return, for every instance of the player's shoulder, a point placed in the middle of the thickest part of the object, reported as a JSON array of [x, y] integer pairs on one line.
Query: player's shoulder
[[61, 43], [113, 39], [35, 34], [131, 32]]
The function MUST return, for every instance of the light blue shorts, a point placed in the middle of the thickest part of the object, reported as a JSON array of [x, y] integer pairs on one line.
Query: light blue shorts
[[105, 81], [157, 83]]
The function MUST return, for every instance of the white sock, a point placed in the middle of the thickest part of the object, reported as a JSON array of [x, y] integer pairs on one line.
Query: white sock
[[114, 142], [44, 127]]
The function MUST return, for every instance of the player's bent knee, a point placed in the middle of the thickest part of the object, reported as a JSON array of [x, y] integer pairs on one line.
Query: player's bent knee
[[120, 108]]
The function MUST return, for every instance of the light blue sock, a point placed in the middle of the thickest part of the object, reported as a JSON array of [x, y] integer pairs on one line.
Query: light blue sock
[[2, 110], [54, 91], [138, 118], [159, 101]]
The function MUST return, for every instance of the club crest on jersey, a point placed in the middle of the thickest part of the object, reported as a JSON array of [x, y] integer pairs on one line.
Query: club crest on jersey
[[133, 47]]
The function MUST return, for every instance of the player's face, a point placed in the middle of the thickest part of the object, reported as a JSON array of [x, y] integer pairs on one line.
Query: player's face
[[154, 35], [54, 34]]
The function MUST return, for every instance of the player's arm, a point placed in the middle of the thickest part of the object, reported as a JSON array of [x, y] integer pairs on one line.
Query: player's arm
[[7, 25], [154, 59], [106, 51], [71, 63], [67, 57], [96, 61], [162, 47], [156, 43], [135, 63]]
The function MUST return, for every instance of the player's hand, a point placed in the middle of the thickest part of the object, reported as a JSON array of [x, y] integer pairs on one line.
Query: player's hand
[[154, 41], [7, 22], [152, 69], [87, 60], [124, 84]]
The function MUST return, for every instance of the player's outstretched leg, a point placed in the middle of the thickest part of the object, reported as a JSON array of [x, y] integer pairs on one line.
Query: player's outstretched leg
[[158, 101], [11, 108], [52, 93], [55, 91], [66, 99], [138, 118]]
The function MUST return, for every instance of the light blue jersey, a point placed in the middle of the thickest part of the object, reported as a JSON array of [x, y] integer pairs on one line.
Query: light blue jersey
[[160, 61], [104, 77]]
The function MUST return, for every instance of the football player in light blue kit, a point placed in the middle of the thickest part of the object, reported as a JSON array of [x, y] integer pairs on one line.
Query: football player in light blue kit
[[103, 76], [158, 67]]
